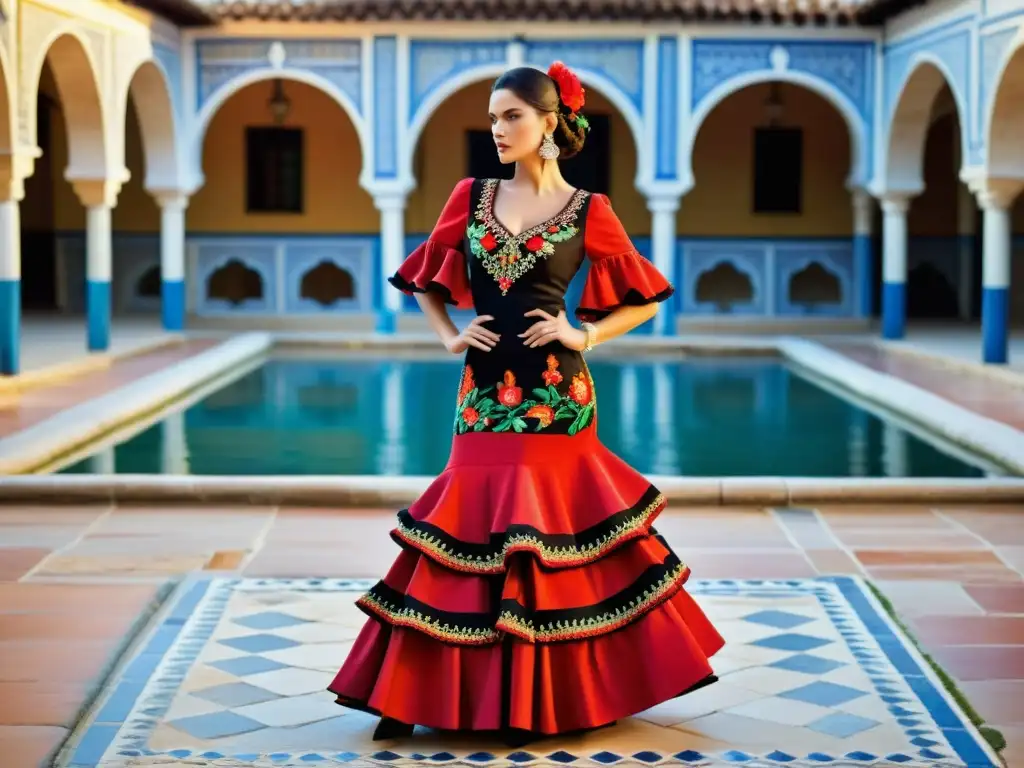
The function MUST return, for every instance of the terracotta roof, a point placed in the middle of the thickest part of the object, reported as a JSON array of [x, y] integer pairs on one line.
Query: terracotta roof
[[184, 13], [839, 12]]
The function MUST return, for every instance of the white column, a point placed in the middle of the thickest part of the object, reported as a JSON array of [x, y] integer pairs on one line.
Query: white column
[[965, 250], [663, 251], [995, 278], [172, 258], [98, 196], [174, 445], [515, 55], [10, 287], [665, 457], [392, 248], [629, 399], [863, 251], [894, 265]]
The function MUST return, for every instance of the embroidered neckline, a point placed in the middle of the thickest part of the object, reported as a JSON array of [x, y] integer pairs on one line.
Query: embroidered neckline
[[508, 257], [564, 216]]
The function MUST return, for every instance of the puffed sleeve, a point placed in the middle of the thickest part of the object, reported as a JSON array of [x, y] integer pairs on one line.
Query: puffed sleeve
[[619, 276], [439, 263]]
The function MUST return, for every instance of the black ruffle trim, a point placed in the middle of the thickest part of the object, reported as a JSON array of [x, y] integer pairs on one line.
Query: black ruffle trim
[[553, 550], [405, 286], [654, 586], [633, 298]]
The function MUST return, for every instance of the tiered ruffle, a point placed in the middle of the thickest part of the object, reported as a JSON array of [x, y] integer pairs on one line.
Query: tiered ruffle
[[437, 268], [531, 593], [626, 279]]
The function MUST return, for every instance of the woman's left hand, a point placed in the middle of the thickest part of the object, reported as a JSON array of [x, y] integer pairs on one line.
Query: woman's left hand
[[551, 328]]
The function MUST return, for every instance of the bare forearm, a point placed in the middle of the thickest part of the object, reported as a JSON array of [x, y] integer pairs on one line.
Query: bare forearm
[[623, 320], [434, 308]]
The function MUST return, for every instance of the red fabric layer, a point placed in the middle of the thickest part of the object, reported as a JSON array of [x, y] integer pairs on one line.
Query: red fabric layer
[[619, 276], [556, 484], [435, 267], [439, 264], [526, 581], [626, 279], [554, 688]]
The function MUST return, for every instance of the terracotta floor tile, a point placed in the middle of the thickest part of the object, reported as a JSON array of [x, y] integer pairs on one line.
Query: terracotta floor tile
[[760, 532], [929, 598], [999, 599], [965, 574], [42, 402], [70, 661], [883, 516], [69, 516], [834, 562], [226, 560], [900, 539], [1013, 755], [943, 557], [29, 746], [745, 565], [44, 702], [970, 630], [999, 701], [986, 662], [115, 599], [307, 561], [15, 562], [98, 625]]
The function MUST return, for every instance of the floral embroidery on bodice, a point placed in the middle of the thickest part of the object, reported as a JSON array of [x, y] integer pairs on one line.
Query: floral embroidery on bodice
[[507, 257]]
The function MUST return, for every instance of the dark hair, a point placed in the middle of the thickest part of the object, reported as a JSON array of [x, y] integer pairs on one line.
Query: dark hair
[[538, 90]]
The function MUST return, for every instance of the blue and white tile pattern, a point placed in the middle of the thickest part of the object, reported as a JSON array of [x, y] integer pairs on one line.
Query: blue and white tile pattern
[[814, 674]]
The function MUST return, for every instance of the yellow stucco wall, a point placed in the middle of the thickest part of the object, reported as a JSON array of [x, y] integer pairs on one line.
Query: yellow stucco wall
[[721, 201], [441, 158], [333, 202]]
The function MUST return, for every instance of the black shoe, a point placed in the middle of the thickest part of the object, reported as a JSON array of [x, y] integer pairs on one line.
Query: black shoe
[[388, 728]]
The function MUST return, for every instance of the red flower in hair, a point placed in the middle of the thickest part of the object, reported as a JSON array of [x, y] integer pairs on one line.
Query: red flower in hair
[[569, 87]]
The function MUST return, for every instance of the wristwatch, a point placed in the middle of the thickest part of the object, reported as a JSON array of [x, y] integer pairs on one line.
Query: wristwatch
[[591, 331]]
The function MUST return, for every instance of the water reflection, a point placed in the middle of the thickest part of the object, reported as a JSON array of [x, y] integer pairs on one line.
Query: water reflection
[[703, 417]]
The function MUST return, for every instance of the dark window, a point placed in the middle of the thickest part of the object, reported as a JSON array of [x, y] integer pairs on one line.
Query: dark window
[[274, 170], [589, 170], [778, 170]]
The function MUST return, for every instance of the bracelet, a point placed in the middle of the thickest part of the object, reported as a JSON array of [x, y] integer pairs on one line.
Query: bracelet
[[591, 330]]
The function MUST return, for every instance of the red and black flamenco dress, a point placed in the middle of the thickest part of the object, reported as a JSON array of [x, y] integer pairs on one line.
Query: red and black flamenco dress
[[531, 594]]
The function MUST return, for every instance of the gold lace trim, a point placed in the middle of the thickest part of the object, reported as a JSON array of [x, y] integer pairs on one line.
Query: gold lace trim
[[563, 556], [578, 629], [524, 628]]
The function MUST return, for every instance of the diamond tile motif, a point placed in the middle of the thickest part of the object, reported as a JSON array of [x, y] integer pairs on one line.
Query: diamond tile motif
[[813, 674], [778, 619]]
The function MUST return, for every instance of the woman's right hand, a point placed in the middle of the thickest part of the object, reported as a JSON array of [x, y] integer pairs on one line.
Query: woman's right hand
[[473, 335]]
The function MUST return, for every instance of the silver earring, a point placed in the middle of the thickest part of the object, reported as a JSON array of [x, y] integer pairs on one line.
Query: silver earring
[[548, 149]]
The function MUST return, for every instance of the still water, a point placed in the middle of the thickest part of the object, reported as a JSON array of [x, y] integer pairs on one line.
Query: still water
[[709, 417]]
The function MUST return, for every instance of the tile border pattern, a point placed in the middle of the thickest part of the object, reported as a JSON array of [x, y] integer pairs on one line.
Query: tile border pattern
[[118, 730]]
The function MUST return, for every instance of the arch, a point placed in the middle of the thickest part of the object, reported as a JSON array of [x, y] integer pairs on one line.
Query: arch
[[1005, 118], [7, 108], [726, 284], [453, 85], [147, 285], [858, 131], [903, 152], [217, 99], [813, 283], [149, 88], [81, 100], [235, 283], [327, 284]]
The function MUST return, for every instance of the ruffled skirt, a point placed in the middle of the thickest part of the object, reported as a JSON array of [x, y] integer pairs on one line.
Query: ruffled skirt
[[531, 593]]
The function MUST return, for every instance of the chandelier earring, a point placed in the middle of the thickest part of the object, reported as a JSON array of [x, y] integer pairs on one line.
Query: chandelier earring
[[548, 149]]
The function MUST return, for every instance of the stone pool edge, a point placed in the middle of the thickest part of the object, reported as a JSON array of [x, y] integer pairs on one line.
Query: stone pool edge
[[363, 491], [986, 437], [45, 442]]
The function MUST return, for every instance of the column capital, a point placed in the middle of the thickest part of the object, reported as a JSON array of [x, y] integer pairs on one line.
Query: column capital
[[895, 202], [663, 202], [994, 193], [390, 201], [96, 192], [13, 172], [170, 199]]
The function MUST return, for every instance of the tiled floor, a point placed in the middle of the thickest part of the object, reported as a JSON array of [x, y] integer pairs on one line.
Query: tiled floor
[[998, 400], [812, 673], [22, 410], [76, 578]]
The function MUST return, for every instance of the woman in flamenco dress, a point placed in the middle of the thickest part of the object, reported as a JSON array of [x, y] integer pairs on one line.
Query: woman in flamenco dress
[[531, 595]]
